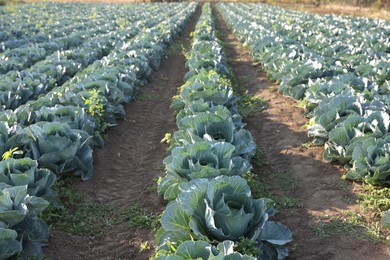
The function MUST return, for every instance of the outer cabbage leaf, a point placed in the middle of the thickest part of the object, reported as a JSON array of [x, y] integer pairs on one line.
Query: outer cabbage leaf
[[204, 250], [385, 221], [9, 246]]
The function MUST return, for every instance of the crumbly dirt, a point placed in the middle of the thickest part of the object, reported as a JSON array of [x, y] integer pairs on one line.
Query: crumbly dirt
[[318, 185], [128, 165]]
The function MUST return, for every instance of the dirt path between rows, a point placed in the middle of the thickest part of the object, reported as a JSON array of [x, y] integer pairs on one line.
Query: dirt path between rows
[[128, 165], [317, 185]]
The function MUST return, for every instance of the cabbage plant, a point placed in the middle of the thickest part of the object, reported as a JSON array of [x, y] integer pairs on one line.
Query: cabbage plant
[[209, 87], [19, 172], [75, 117], [330, 113], [206, 159], [199, 106], [371, 161], [22, 116], [223, 209], [18, 212], [57, 147], [218, 126], [70, 97], [207, 55], [353, 129], [205, 251]]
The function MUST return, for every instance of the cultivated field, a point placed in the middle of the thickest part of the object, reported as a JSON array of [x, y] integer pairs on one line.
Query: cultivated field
[[193, 131]]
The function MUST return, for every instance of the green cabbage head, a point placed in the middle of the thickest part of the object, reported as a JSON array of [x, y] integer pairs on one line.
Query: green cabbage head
[[218, 126], [57, 147], [205, 159], [25, 171], [223, 209], [371, 161]]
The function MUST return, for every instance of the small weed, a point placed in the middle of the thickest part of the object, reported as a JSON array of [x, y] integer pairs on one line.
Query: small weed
[[353, 223], [306, 145], [66, 191], [167, 138], [92, 218], [349, 199], [144, 246], [150, 96], [140, 217], [285, 202], [10, 153], [285, 179], [259, 159], [152, 188], [248, 105], [89, 219], [293, 248], [303, 103], [248, 247], [67, 194], [94, 104], [259, 189], [332, 227], [374, 199]]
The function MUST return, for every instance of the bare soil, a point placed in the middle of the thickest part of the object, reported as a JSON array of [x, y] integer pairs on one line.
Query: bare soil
[[128, 165], [318, 185]]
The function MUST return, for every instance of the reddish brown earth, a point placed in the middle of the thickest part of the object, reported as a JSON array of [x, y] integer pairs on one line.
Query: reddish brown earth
[[318, 185], [128, 165]]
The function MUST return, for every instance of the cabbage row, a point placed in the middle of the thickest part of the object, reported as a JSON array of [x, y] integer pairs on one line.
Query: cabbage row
[[46, 138], [210, 203], [339, 67], [25, 55], [36, 23], [19, 87]]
